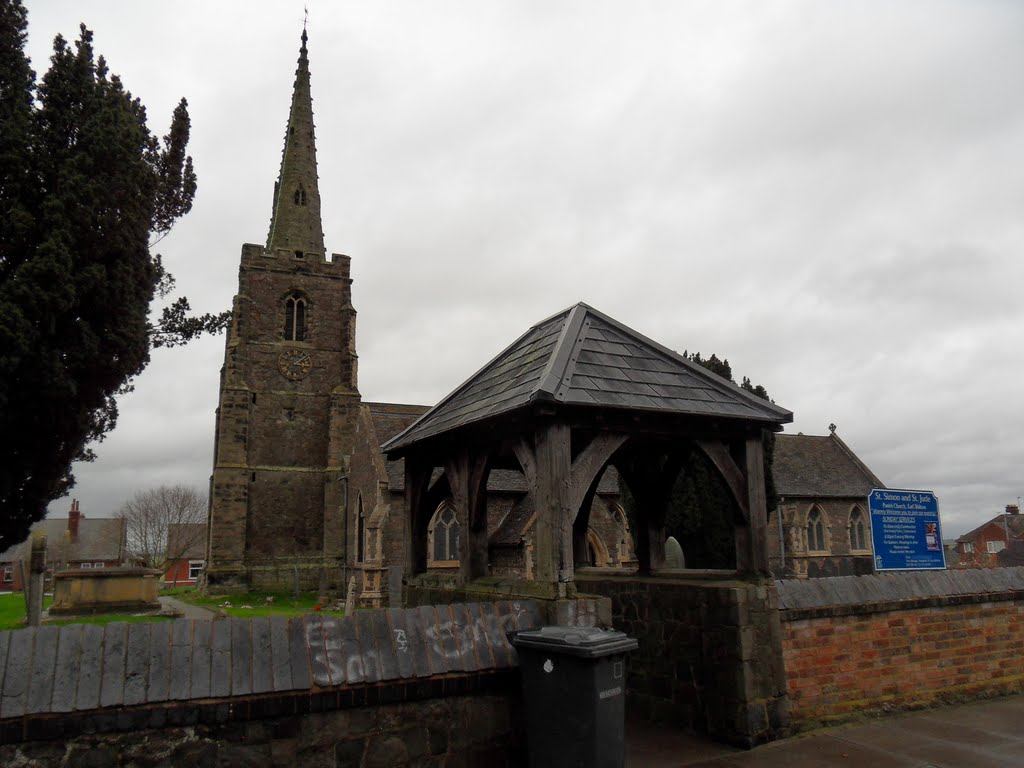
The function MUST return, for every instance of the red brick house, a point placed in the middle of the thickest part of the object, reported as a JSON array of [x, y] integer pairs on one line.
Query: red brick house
[[186, 554], [992, 543], [71, 542]]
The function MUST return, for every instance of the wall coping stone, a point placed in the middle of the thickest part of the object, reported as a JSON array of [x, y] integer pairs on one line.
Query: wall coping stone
[[880, 592], [83, 678]]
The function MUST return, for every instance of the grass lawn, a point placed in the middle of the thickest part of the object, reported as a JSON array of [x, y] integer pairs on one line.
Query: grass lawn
[[251, 604], [12, 610], [12, 614]]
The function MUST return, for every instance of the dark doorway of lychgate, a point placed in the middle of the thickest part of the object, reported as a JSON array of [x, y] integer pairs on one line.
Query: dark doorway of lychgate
[[576, 394]]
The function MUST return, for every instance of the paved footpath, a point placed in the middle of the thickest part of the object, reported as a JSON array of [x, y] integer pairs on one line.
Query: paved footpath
[[985, 734], [187, 610]]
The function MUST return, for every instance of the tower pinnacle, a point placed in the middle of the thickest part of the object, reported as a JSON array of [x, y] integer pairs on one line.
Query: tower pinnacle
[[295, 223]]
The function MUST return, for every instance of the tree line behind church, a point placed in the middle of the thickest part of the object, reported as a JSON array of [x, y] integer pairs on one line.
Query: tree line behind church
[[701, 510]]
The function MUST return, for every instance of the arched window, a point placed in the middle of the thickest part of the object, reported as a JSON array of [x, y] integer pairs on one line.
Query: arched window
[[300, 195], [295, 318], [443, 536], [858, 534], [816, 532], [360, 531]]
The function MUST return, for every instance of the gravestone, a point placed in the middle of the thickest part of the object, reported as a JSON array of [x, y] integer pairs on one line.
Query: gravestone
[[674, 554]]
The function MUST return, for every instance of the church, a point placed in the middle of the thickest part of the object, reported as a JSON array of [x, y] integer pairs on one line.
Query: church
[[300, 491]]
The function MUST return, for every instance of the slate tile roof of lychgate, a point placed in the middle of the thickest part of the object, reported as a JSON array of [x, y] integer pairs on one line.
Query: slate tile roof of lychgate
[[812, 465], [583, 357]]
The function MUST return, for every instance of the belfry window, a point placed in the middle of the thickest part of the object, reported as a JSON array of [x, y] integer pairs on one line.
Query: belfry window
[[300, 195], [295, 318]]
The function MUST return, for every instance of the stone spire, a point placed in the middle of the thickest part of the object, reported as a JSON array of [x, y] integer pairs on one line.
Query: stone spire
[[295, 224]]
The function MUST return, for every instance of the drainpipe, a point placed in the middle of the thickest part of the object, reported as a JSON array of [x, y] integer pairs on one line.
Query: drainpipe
[[782, 540]]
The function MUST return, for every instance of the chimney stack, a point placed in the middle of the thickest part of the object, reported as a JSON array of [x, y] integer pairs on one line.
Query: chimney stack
[[1012, 509], [74, 515]]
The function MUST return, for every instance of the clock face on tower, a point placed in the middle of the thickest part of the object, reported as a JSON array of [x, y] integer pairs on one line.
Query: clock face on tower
[[294, 364]]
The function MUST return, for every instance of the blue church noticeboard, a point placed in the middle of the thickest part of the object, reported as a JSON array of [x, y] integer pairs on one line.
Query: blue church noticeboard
[[905, 530]]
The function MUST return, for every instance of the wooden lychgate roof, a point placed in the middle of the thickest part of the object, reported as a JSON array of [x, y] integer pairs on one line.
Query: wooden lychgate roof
[[585, 358]]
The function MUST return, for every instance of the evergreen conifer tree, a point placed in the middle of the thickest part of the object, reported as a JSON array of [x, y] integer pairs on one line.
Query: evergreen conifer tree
[[83, 188]]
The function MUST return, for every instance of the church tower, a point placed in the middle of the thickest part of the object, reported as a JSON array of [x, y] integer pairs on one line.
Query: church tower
[[289, 400]]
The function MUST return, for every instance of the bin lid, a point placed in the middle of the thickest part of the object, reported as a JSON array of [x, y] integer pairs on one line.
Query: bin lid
[[589, 642]]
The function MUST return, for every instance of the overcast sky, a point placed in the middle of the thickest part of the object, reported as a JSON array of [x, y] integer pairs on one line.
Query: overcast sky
[[830, 195]]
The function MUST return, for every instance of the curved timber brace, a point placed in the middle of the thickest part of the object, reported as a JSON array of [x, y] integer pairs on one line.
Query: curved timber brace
[[467, 478], [745, 478], [560, 485]]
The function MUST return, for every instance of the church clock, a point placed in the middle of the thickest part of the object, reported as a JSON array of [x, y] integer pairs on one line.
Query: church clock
[[294, 364]]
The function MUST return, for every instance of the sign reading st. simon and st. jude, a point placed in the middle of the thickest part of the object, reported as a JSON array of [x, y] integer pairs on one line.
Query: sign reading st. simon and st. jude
[[905, 530]]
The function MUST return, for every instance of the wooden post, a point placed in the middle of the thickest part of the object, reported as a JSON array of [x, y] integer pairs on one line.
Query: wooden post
[[467, 478], [757, 538], [37, 572], [417, 476], [553, 530]]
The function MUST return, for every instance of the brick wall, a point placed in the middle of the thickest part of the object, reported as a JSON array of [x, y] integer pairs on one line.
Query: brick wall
[[900, 641]]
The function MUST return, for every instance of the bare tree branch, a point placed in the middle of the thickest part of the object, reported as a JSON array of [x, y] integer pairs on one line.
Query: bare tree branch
[[163, 524]]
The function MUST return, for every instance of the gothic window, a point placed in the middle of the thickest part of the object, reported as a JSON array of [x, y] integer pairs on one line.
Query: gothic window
[[300, 195], [816, 532], [443, 536], [295, 318], [858, 536], [360, 530]]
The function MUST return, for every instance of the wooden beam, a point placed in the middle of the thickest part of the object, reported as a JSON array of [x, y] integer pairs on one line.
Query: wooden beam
[[456, 468], [552, 493], [734, 477], [417, 477], [758, 507], [580, 526], [588, 464], [477, 538], [527, 456]]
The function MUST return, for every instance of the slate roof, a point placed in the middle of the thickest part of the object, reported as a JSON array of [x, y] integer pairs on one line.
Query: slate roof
[[99, 538], [191, 535], [1013, 523], [583, 357], [820, 466], [513, 527]]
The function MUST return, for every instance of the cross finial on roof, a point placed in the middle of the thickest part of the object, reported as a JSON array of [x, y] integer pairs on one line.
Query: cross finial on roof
[[832, 429]]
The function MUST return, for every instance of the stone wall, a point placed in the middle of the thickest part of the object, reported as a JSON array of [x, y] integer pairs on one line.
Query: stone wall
[[710, 656], [871, 644], [839, 560], [423, 686]]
